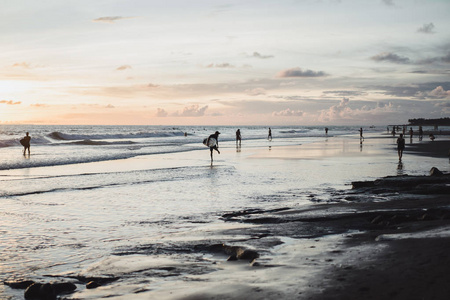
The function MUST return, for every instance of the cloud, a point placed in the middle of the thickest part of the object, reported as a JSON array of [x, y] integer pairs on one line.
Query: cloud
[[370, 112], [426, 28], [22, 65], [391, 57], [39, 105], [260, 56], [10, 102], [388, 2], [110, 20], [152, 85], [429, 90], [256, 92], [446, 58], [161, 113], [193, 111], [220, 66], [443, 106], [124, 67], [439, 93], [298, 72], [288, 113], [345, 93], [109, 106]]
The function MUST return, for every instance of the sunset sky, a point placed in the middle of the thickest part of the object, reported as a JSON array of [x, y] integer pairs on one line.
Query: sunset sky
[[277, 62]]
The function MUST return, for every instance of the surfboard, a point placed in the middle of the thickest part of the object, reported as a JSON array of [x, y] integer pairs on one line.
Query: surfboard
[[212, 142], [23, 142]]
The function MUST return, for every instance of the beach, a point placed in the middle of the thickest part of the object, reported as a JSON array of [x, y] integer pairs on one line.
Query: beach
[[265, 220]]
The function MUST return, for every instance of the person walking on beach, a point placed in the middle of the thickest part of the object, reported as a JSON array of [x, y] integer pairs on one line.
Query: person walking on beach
[[400, 146], [26, 143], [361, 138], [269, 137], [238, 137], [420, 133], [213, 143], [326, 130]]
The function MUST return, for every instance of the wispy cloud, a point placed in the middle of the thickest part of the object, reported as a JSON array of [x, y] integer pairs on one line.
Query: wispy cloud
[[39, 105], [429, 90], [110, 20], [345, 93], [123, 67], [388, 2], [10, 102], [288, 113], [298, 72], [260, 56], [220, 66], [391, 57], [256, 92], [22, 65], [426, 28]]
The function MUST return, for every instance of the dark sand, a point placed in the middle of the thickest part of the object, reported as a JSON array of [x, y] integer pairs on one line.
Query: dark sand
[[399, 245], [437, 148]]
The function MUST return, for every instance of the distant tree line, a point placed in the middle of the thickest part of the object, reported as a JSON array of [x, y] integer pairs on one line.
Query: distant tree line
[[430, 122]]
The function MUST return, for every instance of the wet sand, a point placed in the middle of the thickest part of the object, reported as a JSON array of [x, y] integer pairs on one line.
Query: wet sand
[[384, 242], [389, 241], [385, 239]]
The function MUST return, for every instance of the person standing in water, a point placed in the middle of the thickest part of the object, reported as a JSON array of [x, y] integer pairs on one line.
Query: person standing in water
[[26, 143], [238, 137], [269, 137], [326, 130], [213, 145], [400, 146], [361, 138]]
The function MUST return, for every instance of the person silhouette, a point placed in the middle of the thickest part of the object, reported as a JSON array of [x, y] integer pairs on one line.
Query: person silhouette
[[400, 146], [269, 137], [213, 144], [26, 143], [238, 136]]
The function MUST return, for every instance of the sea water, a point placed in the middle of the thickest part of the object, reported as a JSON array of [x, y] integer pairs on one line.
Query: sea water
[[87, 193]]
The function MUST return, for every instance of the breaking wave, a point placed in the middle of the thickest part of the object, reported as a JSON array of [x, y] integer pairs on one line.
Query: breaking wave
[[60, 136]]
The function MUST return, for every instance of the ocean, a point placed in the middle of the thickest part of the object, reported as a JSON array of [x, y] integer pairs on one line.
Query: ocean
[[89, 199]]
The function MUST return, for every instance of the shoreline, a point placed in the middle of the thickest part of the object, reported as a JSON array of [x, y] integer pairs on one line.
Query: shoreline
[[330, 250]]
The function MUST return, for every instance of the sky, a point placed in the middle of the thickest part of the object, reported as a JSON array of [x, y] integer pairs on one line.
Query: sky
[[224, 62]]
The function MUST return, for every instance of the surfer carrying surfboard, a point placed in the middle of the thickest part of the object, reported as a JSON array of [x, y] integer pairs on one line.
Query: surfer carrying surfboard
[[213, 143], [26, 143]]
